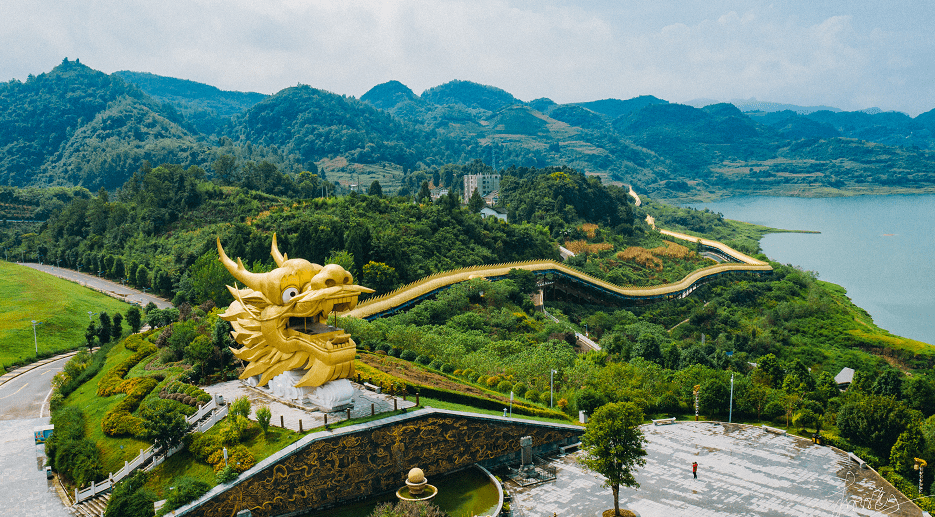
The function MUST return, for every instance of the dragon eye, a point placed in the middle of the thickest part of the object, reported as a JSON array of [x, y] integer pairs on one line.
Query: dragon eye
[[289, 294]]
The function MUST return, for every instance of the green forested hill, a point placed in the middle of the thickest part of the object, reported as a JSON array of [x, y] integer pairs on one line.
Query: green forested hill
[[77, 126]]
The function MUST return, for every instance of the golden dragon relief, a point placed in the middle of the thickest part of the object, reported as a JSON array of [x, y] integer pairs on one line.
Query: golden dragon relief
[[281, 319]]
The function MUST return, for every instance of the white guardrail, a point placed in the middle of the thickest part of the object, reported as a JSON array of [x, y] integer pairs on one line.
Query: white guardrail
[[146, 454]]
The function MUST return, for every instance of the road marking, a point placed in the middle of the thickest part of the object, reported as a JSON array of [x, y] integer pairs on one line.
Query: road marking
[[15, 392]]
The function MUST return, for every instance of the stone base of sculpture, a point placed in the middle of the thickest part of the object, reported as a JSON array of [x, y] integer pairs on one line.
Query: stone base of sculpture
[[283, 386], [333, 396]]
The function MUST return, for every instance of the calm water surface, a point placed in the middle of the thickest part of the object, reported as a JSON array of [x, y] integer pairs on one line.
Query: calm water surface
[[880, 248]]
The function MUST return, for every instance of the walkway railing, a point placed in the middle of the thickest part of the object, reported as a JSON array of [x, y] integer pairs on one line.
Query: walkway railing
[[145, 455], [415, 292]]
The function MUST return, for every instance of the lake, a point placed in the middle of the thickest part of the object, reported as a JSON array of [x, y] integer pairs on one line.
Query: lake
[[880, 248]]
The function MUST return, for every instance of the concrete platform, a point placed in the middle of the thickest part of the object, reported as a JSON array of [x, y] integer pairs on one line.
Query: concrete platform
[[290, 414], [743, 471]]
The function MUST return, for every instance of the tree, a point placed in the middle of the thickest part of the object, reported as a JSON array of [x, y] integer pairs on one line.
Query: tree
[[615, 446], [425, 194], [134, 318], [889, 383], [263, 416], [909, 445], [130, 499], [375, 189], [225, 168], [90, 334], [164, 424], [117, 330], [105, 330], [475, 202], [919, 393], [241, 407]]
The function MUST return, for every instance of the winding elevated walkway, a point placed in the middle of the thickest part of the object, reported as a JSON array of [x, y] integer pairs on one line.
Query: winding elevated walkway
[[411, 294]]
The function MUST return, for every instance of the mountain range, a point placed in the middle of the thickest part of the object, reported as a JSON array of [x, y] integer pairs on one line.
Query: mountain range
[[77, 126]]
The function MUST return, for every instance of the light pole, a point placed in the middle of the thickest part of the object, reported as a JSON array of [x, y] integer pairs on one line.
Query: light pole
[[920, 466], [730, 412], [34, 338], [695, 391], [551, 386]]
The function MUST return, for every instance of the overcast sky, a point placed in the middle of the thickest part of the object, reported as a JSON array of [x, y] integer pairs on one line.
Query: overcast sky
[[848, 54]]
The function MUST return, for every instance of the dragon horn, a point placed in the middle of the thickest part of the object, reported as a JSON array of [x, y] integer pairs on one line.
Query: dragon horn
[[278, 257], [251, 280]]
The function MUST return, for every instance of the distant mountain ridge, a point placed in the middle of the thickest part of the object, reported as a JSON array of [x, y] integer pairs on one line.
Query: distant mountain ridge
[[77, 126]]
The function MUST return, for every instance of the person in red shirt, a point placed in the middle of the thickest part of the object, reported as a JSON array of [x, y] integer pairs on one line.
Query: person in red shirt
[[695, 469]]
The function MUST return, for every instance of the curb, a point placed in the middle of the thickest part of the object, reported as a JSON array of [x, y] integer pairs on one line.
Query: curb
[[9, 376]]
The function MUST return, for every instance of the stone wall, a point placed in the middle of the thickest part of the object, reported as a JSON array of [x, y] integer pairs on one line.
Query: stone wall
[[326, 468]]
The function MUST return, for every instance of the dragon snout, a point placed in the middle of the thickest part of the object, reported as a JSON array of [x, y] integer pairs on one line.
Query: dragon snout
[[330, 276]]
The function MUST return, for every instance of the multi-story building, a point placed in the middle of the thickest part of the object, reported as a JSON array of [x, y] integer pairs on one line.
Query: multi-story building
[[483, 183]]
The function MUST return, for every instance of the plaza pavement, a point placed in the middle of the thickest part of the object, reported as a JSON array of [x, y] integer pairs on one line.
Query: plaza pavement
[[743, 471], [25, 490], [290, 413]]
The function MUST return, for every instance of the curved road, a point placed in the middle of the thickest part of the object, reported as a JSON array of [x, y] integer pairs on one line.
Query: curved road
[[26, 395], [103, 285]]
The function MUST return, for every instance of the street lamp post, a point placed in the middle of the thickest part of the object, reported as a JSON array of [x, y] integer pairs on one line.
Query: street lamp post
[[34, 338], [730, 412], [551, 386], [920, 466], [695, 391]]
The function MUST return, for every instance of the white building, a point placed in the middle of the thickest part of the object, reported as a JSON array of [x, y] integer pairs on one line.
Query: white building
[[483, 183]]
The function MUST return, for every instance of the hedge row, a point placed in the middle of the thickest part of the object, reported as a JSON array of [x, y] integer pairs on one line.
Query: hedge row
[[185, 393], [113, 378], [120, 420], [909, 489]]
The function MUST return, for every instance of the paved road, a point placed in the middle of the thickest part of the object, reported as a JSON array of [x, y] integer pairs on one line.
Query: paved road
[[26, 396], [24, 489], [103, 285]]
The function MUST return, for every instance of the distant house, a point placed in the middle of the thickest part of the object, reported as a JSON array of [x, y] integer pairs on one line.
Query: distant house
[[844, 378], [492, 212], [438, 192], [492, 198]]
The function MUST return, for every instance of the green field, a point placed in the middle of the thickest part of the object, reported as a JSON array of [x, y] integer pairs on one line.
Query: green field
[[61, 306]]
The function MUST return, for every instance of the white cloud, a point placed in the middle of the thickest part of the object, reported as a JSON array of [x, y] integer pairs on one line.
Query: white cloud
[[566, 51]]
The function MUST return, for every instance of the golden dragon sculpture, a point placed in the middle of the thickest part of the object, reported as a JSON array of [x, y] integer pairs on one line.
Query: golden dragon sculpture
[[281, 317]]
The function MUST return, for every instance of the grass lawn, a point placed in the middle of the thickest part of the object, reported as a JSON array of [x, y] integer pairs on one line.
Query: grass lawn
[[61, 306], [184, 464]]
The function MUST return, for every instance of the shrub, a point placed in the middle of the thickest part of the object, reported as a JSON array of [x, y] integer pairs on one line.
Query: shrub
[[226, 475], [492, 381], [458, 373], [468, 373], [408, 355], [531, 395], [504, 386], [435, 364], [447, 368], [424, 360], [562, 404], [186, 491], [382, 347], [240, 407], [241, 459], [263, 416], [519, 388], [394, 352]]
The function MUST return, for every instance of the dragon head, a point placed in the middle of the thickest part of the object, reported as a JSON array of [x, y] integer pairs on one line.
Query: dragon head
[[281, 318]]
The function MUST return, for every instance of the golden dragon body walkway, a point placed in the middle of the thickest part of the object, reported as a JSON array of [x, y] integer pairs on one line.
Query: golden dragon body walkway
[[411, 294]]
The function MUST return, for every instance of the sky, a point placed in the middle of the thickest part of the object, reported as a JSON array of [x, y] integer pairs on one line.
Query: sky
[[852, 55]]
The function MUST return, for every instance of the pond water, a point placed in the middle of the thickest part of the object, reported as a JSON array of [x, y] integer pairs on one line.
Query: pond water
[[460, 494], [879, 248]]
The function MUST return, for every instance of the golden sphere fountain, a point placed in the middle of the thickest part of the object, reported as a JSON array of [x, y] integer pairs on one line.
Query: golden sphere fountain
[[417, 487]]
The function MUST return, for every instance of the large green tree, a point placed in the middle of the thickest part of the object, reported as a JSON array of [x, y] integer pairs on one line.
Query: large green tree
[[615, 446]]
